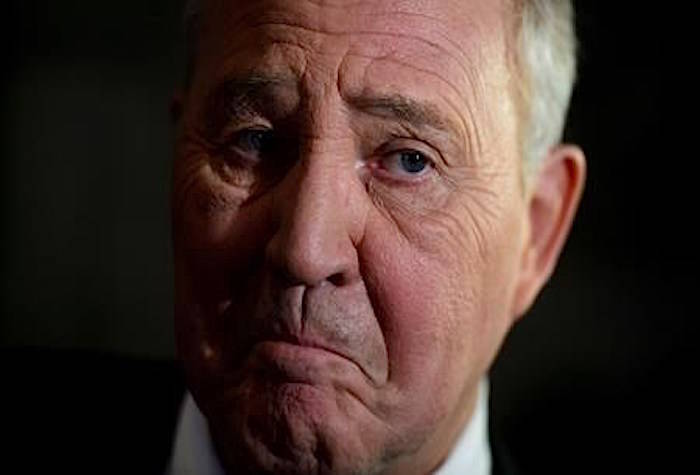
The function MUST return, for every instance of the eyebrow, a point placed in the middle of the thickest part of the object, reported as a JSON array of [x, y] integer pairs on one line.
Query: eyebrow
[[405, 109], [255, 83], [241, 97]]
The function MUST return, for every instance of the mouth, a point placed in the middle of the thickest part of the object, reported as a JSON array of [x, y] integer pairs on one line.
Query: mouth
[[292, 362]]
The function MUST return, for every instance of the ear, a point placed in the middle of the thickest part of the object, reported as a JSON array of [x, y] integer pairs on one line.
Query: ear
[[553, 198], [176, 106]]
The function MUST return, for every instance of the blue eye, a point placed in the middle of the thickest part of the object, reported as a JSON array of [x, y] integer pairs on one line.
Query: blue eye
[[251, 142], [406, 163], [413, 162]]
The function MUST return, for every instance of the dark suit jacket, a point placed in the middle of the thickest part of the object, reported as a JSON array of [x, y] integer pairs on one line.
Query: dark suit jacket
[[85, 412]]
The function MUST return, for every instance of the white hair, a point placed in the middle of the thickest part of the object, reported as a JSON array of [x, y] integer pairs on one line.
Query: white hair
[[545, 59], [545, 64]]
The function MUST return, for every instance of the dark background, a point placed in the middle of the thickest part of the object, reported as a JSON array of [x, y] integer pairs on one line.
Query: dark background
[[598, 378]]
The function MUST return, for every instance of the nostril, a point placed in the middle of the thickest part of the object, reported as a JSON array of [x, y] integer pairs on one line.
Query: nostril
[[337, 279]]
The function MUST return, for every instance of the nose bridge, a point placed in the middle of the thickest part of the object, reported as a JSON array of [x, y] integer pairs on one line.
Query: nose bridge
[[318, 219]]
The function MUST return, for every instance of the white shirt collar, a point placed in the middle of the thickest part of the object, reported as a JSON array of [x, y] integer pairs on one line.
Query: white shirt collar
[[472, 454], [193, 451]]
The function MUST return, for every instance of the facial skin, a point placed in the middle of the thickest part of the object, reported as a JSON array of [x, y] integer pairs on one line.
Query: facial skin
[[352, 236]]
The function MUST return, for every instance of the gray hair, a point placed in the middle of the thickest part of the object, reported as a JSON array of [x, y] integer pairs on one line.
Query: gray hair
[[545, 60]]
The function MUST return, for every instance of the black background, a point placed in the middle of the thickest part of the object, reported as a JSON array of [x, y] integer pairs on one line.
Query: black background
[[598, 378]]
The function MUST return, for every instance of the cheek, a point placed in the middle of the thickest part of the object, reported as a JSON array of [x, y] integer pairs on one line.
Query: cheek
[[214, 224], [440, 292], [205, 208], [416, 300], [214, 233]]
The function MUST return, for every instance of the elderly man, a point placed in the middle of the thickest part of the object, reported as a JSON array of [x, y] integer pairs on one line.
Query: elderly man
[[367, 195]]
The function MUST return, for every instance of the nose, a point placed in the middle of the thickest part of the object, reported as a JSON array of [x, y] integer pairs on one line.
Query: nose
[[317, 225]]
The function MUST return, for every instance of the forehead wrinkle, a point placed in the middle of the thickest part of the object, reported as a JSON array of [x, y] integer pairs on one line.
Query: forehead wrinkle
[[273, 13], [461, 58], [393, 19], [283, 18], [438, 30]]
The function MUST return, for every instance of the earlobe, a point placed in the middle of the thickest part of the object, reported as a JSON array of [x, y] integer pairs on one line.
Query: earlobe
[[552, 204]]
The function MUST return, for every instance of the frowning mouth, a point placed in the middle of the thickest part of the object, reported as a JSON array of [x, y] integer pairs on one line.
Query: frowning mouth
[[284, 361]]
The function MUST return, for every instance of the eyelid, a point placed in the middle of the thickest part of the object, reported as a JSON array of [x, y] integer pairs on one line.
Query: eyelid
[[402, 143], [236, 127]]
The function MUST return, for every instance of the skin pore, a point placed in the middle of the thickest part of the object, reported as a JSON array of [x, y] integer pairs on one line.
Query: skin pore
[[352, 239]]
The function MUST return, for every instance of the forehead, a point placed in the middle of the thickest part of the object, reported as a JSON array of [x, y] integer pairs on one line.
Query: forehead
[[451, 41]]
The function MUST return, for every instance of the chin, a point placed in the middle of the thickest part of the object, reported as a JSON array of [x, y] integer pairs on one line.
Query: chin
[[295, 428]]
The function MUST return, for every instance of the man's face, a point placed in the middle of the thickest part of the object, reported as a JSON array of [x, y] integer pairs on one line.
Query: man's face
[[348, 228]]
